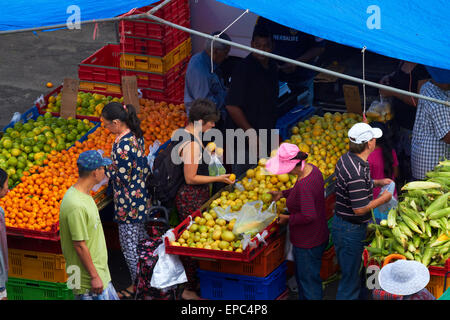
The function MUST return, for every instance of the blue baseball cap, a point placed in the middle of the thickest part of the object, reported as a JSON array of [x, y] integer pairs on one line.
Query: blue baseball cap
[[91, 160]]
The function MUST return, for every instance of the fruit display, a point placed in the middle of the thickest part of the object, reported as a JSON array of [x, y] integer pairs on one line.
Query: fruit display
[[159, 120], [418, 228], [28, 144], [324, 138], [34, 203], [88, 104], [210, 232]]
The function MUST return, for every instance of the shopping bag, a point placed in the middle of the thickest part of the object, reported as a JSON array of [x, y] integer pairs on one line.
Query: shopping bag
[[216, 167], [382, 211], [152, 154], [169, 270], [252, 218]]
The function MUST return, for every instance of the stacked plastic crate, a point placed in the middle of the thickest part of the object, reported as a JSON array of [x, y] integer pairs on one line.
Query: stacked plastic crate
[[156, 53], [153, 52], [263, 278], [38, 274]]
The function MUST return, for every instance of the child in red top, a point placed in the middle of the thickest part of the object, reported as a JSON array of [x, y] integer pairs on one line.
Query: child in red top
[[383, 160]]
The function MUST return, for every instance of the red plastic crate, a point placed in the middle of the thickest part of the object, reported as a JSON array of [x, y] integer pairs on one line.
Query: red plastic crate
[[57, 90], [53, 234], [246, 256], [22, 243], [270, 259], [102, 66], [329, 264], [153, 47], [172, 11], [437, 279]]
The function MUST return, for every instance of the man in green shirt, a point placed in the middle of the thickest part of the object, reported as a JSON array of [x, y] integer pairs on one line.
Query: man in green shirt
[[82, 238]]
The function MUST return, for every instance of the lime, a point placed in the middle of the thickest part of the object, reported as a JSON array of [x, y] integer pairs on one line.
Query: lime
[[31, 156], [7, 143], [15, 152], [48, 115], [12, 161], [14, 134], [27, 126]]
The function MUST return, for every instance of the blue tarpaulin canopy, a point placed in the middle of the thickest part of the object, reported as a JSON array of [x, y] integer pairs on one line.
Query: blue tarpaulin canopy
[[23, 14], [413, 30]]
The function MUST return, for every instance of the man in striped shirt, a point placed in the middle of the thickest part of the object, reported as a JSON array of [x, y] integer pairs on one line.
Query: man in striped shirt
[[354, 202]]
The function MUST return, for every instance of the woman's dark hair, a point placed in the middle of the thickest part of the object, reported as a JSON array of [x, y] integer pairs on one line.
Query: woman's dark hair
[[300, 156], [203, 109], [386, 146], [125, 113], [3, 177]]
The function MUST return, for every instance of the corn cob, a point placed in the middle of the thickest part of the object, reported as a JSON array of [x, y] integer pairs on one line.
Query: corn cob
[[443, 174], [383, 223], [426, 258], [411, 224], [398, 248], [428, 230], [411, 247], [434, 223], [416, 241], [439, 203], [414, 216], [392, 216], [405, 230], [439, 213], [421, 185], [408, 255], [399, 236]]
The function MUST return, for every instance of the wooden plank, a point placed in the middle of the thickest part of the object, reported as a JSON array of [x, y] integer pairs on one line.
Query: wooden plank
[[352, 98], [69, 96], [130, 91]]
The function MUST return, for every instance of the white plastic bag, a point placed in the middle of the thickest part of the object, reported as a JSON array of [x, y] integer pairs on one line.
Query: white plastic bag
[[384, 208], [15, 118], [216, 167], [288, 248], [152, 154], [253, 219], [169, 270], [379, 111]]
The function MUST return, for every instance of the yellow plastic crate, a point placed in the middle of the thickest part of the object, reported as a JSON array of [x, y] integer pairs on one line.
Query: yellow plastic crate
[[159, 65], [100, 87], [34, 265], [436, 285]]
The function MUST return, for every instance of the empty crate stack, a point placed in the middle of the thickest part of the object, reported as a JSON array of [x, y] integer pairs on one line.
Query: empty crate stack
[[156, 53], [153, 52], [38, 274]]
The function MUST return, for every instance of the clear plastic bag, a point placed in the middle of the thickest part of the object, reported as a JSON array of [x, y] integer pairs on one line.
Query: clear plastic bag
[[384, 208], [169, 270], [379, 111], [216, 167], [152, 153], [252, 218]]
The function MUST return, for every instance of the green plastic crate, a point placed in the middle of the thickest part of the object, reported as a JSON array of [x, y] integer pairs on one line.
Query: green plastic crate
[[24, 289]]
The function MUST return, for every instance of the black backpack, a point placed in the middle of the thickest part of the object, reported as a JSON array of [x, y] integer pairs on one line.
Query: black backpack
[[167, 177]]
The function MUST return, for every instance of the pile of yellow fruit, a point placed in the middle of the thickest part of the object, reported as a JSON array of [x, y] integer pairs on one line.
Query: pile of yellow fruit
[[210, 232], [324, 138], [256, 185]]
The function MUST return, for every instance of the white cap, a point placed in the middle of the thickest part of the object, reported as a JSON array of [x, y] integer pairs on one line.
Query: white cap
[[361, 132]]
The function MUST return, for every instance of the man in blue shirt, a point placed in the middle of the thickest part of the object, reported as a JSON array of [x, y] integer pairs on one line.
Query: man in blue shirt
[[201, 81], [296, 45]]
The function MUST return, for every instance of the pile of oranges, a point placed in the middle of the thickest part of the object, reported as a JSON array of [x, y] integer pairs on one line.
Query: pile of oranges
[[159, 120], [34, 203]]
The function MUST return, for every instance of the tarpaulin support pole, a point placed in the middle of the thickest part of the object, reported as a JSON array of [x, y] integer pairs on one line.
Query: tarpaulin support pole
[[298, 63]]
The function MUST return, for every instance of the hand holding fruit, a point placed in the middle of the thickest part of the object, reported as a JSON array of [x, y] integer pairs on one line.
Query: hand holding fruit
[[277, 195], [225, 178]]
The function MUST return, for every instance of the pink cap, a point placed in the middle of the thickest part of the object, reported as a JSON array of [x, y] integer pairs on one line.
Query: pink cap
[[282, 162]]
